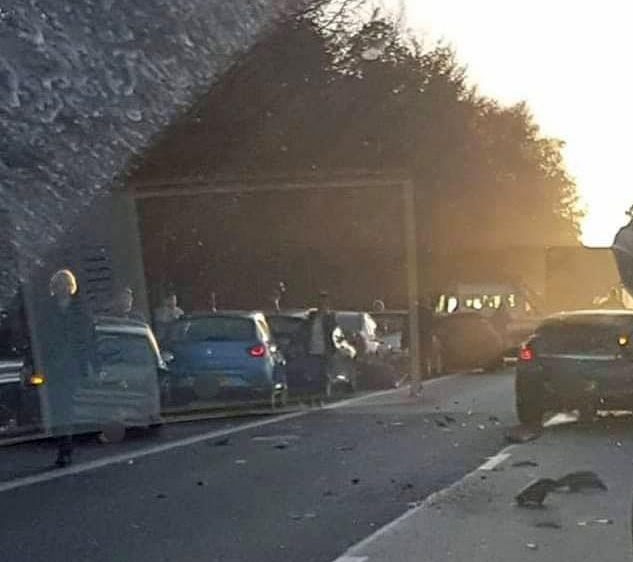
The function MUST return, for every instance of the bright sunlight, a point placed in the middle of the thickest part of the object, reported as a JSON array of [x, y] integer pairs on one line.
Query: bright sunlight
[[569, 61]]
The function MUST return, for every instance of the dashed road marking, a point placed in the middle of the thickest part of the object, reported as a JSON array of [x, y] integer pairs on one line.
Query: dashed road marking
[[353, 553], [494, 462], [163, 447]]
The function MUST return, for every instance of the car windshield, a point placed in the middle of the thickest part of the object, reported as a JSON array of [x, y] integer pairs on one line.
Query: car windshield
[[316, 280], [218, 328]]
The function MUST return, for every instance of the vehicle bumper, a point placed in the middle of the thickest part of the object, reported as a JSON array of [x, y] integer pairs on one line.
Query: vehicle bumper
[[569, 382]]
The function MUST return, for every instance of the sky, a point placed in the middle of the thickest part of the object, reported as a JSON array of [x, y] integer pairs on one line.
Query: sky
[[571, 62]]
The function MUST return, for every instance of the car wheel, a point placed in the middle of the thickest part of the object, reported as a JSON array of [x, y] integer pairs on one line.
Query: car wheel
[[529, 398]]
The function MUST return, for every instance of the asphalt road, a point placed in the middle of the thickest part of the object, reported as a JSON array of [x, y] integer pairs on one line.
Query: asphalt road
[[303, 487]]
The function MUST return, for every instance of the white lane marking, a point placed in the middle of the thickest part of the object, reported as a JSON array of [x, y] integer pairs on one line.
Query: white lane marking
[[352, 559], [494, 462], [560, 419], [124, 457], [192, 440], [355, 550]]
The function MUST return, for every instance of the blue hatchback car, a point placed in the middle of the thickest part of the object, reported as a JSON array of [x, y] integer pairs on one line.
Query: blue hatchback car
[[226, 356]]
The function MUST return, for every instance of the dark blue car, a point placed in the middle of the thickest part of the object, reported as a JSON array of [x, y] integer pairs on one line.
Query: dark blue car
[[225, 356]]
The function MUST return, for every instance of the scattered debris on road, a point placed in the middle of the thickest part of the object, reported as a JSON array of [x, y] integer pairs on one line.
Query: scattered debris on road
[[240, 461], [449, 419], [580, 481], [161, 496], [598, 521], [534, 494], [548, 525], [526, 463], [523, 434], [222, 442], [355, 481], [281, 445], [531, 546]]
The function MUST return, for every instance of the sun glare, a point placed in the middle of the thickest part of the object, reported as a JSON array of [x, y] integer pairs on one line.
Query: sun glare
[[567, 60]]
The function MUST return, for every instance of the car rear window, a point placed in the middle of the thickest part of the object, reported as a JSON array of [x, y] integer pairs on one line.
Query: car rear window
[[126, 349], [284, 325], [583, 333], [217, 328]]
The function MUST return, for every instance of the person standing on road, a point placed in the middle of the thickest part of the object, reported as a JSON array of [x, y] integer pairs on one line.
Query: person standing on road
[[318, 340], [67, 344], [123, 305], [165, 314], [425, 346]]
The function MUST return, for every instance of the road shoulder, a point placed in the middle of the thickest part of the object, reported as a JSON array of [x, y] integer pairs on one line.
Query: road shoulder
[[476, 519]]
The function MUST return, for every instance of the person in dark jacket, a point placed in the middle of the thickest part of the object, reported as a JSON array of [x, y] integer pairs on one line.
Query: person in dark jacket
[[67, 342], [425, 345], [317, 339]]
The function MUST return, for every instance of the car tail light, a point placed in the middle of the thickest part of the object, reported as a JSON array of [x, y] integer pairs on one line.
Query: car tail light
[[526, 353], [257, 351]]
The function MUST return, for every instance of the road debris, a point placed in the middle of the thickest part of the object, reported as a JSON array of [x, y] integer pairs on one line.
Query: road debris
[[531, 545], [440, 423], [597, 521], [281, 445], [522, 464], [275, 438], [449, 419], [534, 494], [494, 419], [548, 525], [161, 496], [523, 434], [240, 461], [201, 483], [355, 481], [580, 481], [222, 442], [481, 427]]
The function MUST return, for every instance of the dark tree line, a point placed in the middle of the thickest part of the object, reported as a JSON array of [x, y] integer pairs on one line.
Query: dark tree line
[[318, 96]]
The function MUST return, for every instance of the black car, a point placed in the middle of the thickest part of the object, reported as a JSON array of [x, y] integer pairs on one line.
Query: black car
[[576, 361]]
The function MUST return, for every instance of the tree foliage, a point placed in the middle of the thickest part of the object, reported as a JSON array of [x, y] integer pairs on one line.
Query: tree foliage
[[316, 96]]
